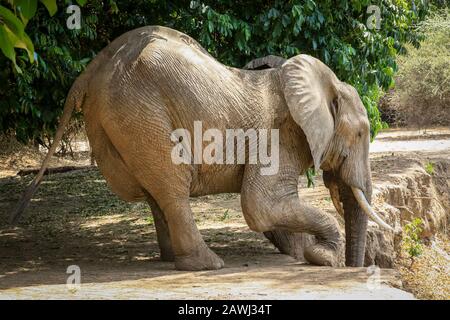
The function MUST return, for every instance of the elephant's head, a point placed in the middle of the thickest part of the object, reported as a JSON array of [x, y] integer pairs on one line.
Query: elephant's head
[[336, 126]]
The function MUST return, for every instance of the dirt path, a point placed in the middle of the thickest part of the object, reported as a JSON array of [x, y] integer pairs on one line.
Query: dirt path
[[433, 140], [262, 279], [75, 220]]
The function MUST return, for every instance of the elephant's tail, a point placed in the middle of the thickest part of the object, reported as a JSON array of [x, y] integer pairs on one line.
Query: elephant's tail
[[75, 99]]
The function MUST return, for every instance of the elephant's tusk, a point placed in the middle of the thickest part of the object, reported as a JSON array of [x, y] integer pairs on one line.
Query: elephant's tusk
[[334, 193], [362, 201]]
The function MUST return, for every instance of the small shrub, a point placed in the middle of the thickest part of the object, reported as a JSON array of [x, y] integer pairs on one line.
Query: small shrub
[[411, 238], [310, 174], [429, 168]]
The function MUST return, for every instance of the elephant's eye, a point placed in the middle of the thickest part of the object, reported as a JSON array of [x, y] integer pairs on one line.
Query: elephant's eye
[[334, 107], [359, 134]]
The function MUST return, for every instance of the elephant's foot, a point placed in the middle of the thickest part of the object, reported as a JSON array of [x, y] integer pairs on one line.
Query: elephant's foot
[[290, 243], [201, 259], [322, 254]]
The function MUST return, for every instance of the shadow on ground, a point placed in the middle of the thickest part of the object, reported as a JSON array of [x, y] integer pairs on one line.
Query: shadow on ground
[[74, 219]]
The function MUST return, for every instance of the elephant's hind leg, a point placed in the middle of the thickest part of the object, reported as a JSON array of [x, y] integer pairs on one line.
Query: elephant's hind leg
[[126, 186], [112, 166], [191, 252], [170, 188], [162, 231]]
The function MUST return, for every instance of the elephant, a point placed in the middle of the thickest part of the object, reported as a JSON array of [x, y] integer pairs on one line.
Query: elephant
[[153, 80]]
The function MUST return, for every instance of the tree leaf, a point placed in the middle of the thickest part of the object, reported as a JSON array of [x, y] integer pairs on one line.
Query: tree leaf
[[296, 10], [285, 20], [12, 22], [114, 7], [82, 2], [27, 44], [51, 6], [22, 43], [27, 9], [7, 47], [210, 26]]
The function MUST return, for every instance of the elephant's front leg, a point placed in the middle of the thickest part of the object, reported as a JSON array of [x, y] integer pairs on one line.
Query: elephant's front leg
[[292, 215], [272, 202], [291, 243]]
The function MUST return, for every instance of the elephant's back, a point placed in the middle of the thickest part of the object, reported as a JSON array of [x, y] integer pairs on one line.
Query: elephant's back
[[127, 48], [155, 64], [156, 76], [153, 80]]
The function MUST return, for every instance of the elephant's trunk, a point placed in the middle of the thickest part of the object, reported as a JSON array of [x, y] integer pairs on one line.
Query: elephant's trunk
[[355, 218], [357, 210], [355, 230]]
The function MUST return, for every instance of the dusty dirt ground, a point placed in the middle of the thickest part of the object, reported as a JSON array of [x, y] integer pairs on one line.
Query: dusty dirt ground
[[74, 219]]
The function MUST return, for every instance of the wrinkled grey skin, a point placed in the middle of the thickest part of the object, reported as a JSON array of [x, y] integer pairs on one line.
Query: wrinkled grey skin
[[290, 243], [153, 80]]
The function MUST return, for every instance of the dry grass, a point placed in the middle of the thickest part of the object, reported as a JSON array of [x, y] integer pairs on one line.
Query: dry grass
[[428, 276]]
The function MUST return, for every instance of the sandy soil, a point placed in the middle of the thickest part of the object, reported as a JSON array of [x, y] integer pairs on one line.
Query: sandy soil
[[75, 220], [397, 140]]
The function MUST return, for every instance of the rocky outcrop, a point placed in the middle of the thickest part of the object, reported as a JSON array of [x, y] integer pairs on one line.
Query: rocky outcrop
[[402, 196]]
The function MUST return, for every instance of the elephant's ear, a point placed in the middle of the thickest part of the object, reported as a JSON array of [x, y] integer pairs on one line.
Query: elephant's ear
[[310, 90]]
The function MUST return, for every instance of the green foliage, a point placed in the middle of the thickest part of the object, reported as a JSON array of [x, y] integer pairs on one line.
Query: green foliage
[[225, 216], [233, 31], [423, 83], [411, 238], [12, 29], [429, 168], [150, 220], [32, 94], [51, 6], [310, 174]]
